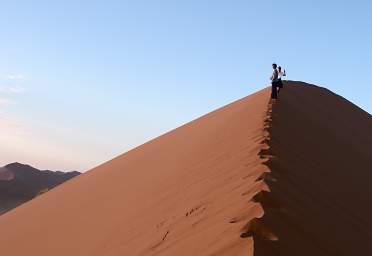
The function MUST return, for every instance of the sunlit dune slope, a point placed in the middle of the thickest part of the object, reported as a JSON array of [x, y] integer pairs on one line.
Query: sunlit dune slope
[[187, 192]]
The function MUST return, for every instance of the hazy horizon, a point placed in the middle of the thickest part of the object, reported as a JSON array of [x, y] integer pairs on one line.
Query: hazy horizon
[[84, 81]]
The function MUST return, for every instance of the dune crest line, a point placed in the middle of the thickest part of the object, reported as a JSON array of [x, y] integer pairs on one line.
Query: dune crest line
[[255, 227]]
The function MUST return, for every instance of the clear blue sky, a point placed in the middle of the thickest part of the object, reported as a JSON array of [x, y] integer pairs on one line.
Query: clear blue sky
[[83, 81]]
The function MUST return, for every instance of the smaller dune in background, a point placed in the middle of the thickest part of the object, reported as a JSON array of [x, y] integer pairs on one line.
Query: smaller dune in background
[[20, 183]]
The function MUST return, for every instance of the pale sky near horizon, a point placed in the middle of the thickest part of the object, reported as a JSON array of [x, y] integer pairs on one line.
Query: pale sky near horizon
[[84, 81]]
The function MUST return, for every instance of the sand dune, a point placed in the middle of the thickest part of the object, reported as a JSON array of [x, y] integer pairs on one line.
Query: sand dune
[[247, 179]]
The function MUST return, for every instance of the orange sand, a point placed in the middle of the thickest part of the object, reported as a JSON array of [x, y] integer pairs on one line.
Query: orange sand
[[175, 195]]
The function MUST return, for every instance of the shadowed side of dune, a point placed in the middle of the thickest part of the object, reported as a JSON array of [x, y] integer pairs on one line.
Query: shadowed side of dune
[[320, 201]]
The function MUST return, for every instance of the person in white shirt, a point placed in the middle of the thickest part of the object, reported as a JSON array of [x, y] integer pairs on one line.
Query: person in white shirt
[[274, 81], [280, 76], [281, 73]]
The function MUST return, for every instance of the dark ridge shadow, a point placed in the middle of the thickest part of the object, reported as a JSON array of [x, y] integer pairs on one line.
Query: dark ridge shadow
[[320, 155]]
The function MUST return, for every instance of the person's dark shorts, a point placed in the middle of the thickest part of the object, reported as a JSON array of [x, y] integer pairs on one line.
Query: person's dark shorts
[[279, 83]]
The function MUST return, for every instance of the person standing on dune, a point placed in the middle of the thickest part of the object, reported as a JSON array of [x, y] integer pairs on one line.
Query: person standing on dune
[[280, 75], [274, 81]]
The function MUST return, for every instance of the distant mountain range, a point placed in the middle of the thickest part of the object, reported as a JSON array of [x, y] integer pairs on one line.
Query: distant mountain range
[[20, 183]]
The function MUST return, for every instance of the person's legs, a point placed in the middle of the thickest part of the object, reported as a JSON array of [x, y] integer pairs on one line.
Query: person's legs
[[274, 93], [279, 84]]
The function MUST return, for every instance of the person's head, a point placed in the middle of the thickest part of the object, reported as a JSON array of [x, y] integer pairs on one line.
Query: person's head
[[280, 68], [274, 65]]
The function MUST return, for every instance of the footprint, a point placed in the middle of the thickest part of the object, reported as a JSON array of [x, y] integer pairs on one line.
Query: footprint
[[266, 200], [266, 176], [255, 227], [195, 211]]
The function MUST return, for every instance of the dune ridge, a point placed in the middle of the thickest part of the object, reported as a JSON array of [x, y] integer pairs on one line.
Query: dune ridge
[[256, 227]]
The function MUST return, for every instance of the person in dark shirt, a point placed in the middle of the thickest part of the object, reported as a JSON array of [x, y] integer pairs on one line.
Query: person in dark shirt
[[274, 81]]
